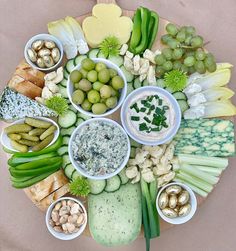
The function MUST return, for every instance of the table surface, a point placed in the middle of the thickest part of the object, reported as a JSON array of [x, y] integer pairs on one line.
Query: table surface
[[22, 226]]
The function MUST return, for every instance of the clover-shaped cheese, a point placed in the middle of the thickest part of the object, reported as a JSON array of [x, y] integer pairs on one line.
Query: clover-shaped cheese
[[106, 21]]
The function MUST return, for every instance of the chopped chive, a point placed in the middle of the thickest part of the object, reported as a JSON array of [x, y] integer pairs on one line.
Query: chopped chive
[[164, 124], [148, 105], [147, 119], [160, 102], [165, 107], [143, 109], [143, 127], [135, 107], [158, 110], [156, 129], [143, 102], [135, 118], [156, 96]]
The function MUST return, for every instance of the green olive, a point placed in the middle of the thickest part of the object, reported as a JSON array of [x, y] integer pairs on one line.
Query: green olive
[[111, 102], [75, 76], [93, 96], [113, 73], [97, 85], [100, 66], [105, 91], [85, 85], [83, 72], [86, 105], [104, 76], [88, 64], [78, 97], [99, 108], [92, 76], [117, 82]]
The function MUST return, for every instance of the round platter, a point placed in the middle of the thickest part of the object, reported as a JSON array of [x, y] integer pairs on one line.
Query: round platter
[[116, 116]]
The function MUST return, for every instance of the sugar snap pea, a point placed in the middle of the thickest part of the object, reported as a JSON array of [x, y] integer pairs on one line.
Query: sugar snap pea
[[37, 123]]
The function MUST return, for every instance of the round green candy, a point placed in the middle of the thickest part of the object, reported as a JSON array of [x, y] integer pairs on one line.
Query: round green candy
[[99, 108], [86, 105], [117, 82], [78, 97], [84, 85], [92, 76], [104, 76], [111, 102], [88, 64], [75, 76], [93, 96], [97, 85]]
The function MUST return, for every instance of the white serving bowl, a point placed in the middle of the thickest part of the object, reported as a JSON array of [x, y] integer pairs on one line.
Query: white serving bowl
[[63, 236], [75, 164], [172, 100], [193, 202], [43, 37], [109, 64], [5, 141]]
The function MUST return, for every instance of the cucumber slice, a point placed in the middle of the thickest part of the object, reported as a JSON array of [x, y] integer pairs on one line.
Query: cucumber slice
[[65, 161], [129, 76], [145, 82], [161, 83], [64, 82], [93, 53], [183, 105], [67, 120], [113, 184], [132, 152], [65, 140], [79, 59], [169, 90], [117, 60], [65, 73], [69, 169], [130, 88], [133, 143], [124, 179], [68, 131], [83, 116], [137, 83], [62, 150], [180, 95], [79, 121], [72, 108], [70, 65], [63, 91], [101, 55], [75, 175], [97, 186]]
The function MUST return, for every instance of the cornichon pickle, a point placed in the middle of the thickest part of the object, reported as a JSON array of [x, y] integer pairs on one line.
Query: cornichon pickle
[[37, 123], [18, 128], [14, 136], [49, 131], [43, 143], [36, 131], [19, 147], [28, 142], [28, 137]]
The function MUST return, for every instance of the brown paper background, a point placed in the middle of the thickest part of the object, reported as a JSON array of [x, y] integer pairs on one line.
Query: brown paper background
[[22, 226]]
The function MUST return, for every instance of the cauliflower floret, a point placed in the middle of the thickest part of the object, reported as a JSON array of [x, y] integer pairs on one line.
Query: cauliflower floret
[[148, 54], [142, 77], [129, 54], [46, 93], [40, 100], [168, 155], [136, 179], [141, 157], [146, 164], [144, 67], [131, 172], [166, 178], [155, 161], [157, 52], [132, 162], [155, 151], [136, 63], [123, 49], [160, 169], [128, 64], [52, 87], [147, 175], [50, 76], [151, 77]]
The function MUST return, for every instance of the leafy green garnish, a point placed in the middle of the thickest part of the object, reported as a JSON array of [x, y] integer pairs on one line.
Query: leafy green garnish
[[110, 46], [57, 104], [79, 187], [176, 80]]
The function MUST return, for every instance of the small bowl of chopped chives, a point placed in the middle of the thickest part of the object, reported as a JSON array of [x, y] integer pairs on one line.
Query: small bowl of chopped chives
[[151, 115]]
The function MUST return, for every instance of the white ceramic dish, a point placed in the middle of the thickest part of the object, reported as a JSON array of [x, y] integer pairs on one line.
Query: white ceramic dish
[[75, 164], [63, 236], [5, 141], [152, 89], [43, 37], [109, 64], [178, 220]]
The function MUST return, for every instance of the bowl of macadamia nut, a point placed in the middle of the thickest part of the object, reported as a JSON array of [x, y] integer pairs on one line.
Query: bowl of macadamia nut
[[66, 218]]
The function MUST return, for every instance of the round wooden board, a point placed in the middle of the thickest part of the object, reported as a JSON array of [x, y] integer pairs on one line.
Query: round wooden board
[[116, 116]]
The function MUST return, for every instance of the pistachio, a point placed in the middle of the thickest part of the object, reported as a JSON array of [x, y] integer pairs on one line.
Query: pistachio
[[40, 63], [183, 198], [55, 54], [70, 227], [163, 200], [185, 210], [44, 52], [170, 213], [55, 216], [48, 61], [64, 218], [32, 55], [80, 220], [37, 45], [73, 218], [174, 189], [173, 201], [64, 210], [49, 44], [75, 208]]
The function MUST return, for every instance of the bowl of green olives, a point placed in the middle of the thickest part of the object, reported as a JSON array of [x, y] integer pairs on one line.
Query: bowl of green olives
[[96, 87]]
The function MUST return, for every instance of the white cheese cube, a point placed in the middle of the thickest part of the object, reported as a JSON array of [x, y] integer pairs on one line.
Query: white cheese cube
[[123, 49], [129, 54]]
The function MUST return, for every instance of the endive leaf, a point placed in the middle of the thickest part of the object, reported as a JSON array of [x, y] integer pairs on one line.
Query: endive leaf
[[217, 93], [219, 109], [220, 66]]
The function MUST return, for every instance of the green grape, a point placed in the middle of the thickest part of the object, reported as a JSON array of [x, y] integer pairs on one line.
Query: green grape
[[167, 66], [189, 53], [184, 68], [78, 97], [111, 102], [188, 39], [177, 53], [190, 30], [191, 70], [167, 53], [92, 76], [104, 76], [117, 82], [171, 29], [97, 85], [160, 59], [93, 96], [105, 91], [99, 108], [100, 66], [189, 61], [84, 85], [200, 67], [88, 64], [211, 67], [75, 76], [159, 71], [83, 72], [208, 61], [181, 35], [113, 72], [86, 105], [165, 38], [200, 54], [210, 55], [197, 42], [173, 43], [183, 29], [177, 65]]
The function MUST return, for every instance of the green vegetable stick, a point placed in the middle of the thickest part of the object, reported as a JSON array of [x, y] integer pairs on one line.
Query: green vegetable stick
[[154, 29], [136, 33]]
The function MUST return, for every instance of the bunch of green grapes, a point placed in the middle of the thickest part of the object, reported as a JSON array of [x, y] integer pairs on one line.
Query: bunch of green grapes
[[184, 52]]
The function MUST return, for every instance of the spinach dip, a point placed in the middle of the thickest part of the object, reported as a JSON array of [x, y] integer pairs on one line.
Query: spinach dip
[[99, 148]]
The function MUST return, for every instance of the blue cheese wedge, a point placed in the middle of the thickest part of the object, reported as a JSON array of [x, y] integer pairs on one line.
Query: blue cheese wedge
[[14, 106]]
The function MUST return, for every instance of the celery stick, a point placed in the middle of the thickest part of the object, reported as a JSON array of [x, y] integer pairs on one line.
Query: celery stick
[[199, 174], [203, 160], [194, 188], [146, 223], [209, 170], [195, 181]]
